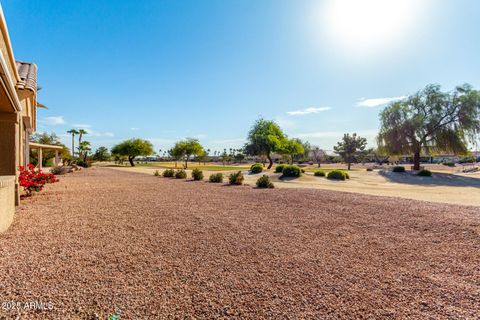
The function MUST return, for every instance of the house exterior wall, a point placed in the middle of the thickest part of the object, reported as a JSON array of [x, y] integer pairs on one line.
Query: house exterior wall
[[17, 121], [27, 123], [9, 144], [7, 202]]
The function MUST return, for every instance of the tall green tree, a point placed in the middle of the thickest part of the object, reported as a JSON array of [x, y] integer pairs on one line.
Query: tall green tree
[[350, 148], [189, 147], [291, 148], [133, 148], [73, 132], [176, 153], [431, 121], [101, 154], [264, 138]]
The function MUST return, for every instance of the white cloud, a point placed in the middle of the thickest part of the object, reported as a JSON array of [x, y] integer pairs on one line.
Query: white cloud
[[134, 129], [52, 121], [370, 103], [307, 111]]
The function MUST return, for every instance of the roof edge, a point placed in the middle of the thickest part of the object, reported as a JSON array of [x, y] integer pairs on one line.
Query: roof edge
[[4, 30]]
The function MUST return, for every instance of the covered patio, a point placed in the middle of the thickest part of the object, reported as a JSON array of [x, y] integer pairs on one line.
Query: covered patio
[[40, 147]]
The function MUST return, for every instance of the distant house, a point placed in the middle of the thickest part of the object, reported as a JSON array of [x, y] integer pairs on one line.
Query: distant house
[[18, 112]]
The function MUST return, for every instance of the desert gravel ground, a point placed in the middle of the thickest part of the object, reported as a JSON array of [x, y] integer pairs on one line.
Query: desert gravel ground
[[103, 241], [441, 187]]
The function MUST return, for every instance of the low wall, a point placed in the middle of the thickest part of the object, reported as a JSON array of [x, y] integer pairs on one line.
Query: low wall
[[7, 201]]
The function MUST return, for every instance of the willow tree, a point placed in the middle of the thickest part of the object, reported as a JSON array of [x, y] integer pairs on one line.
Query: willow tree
[[431, 121], [264, 138]]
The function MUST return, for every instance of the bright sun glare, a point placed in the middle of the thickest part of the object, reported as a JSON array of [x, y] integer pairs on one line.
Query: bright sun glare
[[369, 25]]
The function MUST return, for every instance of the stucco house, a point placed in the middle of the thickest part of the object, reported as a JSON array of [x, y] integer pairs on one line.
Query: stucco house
[[18, 112]]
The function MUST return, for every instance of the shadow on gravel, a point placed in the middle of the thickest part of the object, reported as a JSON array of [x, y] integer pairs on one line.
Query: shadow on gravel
[[437, 179]]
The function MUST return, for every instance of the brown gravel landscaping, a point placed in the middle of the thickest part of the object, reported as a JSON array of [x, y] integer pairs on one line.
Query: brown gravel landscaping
[[103, 241]]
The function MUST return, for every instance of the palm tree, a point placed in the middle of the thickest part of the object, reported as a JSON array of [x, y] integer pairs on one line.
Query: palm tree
[[84, 148], [81, 132], [73, 132]]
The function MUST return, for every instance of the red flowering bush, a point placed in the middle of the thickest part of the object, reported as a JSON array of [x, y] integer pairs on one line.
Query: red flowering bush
[[33, 180]]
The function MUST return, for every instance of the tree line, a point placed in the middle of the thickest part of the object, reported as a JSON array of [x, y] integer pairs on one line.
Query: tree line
[[426, 122]]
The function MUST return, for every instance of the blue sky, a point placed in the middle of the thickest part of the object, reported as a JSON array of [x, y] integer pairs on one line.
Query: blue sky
[[165, 69]]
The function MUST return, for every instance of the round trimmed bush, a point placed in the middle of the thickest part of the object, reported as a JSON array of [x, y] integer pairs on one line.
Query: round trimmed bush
[[449, 164], [180, 174], [169, 173], [236, 178], [216, 177], [156, 173], [398, 169], [369, 169], [291, 171], [264, 182], [197, 174], [337, 175], [256, 168], [279, 168], [424, 173], [319, 173]]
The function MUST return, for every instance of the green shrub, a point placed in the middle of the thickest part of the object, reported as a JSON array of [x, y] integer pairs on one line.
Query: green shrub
[[291, 171], [424, 173], [346, 174], [256, 168], [369, 169], [398, 169], [236, 178], [180, 174], [84, 164], [337, 175], [169, 173], [319, 173], [197, 174], [156, 173], [303, 170], [279, 168], [449, 164], [216, 177], [468, 159], [264, 182]]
